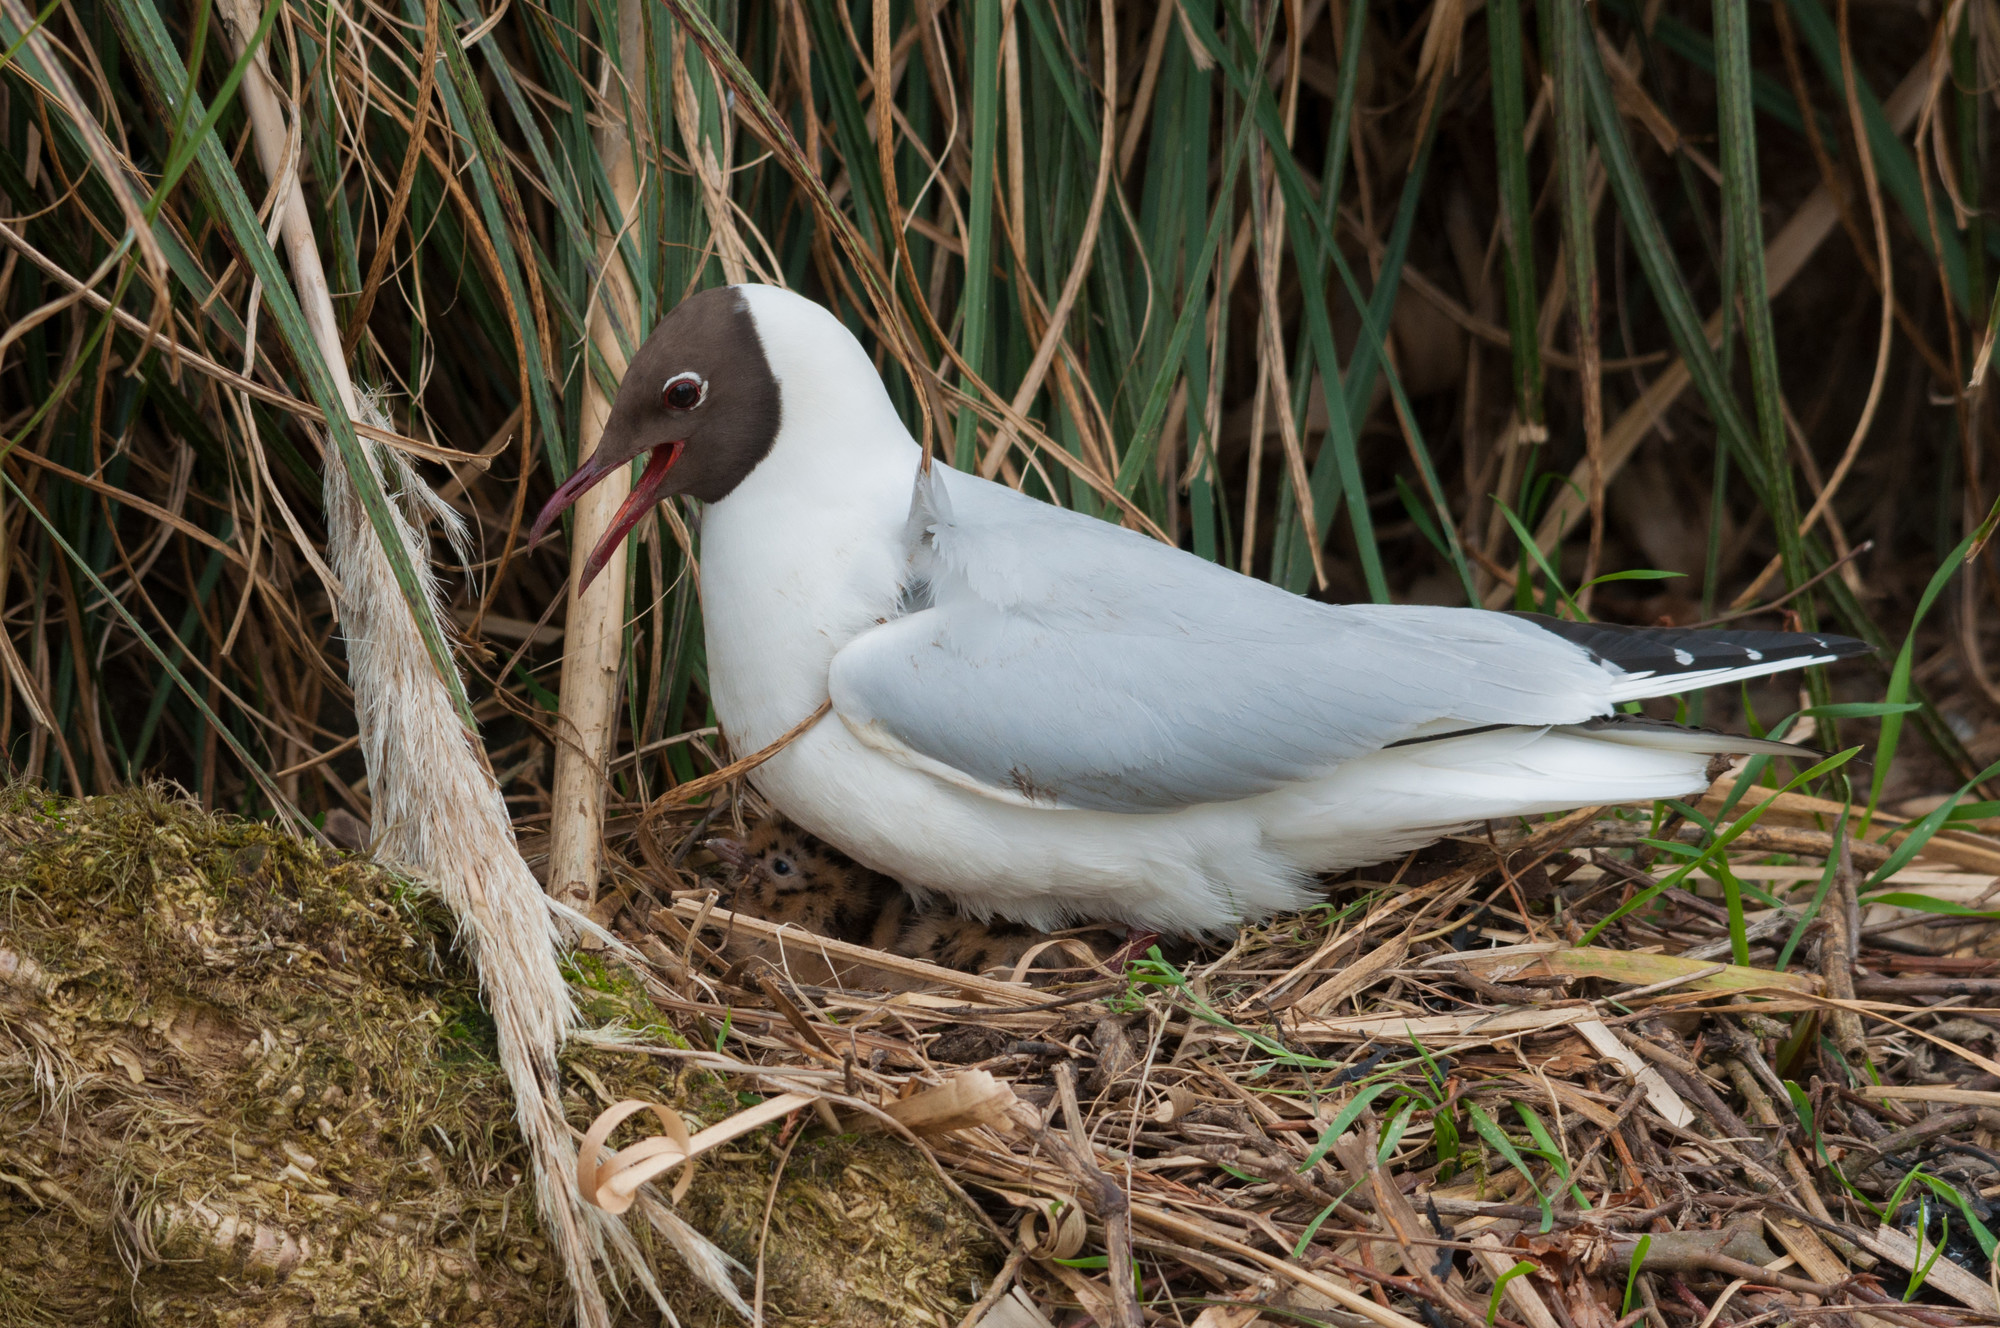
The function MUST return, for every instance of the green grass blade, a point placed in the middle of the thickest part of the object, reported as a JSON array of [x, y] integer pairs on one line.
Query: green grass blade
[[462, 95], [1744, 232], [1638, 1259], [1500, 1285], [1670, 287], [975, 311], [1920, 834], [1503, 31], [1491, 1132], [1721, 842], [1899, 673]]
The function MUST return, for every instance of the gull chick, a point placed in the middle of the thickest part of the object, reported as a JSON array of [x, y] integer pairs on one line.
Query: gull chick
[[787, 876], [1046, 717], [784, 875]]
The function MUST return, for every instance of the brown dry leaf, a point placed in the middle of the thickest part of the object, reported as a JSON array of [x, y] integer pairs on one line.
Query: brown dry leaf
[[964, 1102]]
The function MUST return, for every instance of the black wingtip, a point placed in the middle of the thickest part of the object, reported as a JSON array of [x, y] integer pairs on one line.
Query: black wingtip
[[1669, 650]]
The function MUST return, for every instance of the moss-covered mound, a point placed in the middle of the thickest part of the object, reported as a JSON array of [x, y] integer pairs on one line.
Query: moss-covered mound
[[243, 1081]]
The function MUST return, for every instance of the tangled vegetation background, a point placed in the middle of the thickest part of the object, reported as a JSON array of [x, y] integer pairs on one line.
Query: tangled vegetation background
[[1128, 248], [1643, 310]]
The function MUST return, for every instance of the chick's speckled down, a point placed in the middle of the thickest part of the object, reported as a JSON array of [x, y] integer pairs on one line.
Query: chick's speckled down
[[785, 875]]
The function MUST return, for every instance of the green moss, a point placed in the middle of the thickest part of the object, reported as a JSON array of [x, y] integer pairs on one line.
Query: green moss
[[245, 1081]]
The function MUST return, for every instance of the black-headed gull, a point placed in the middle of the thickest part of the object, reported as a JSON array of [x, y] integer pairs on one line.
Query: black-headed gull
[[1047, 717]]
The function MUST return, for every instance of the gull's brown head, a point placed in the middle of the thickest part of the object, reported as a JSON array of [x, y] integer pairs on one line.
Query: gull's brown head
[[699, 402]]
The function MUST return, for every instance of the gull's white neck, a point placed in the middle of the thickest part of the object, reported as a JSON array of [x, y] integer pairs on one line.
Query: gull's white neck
[[808, 550]]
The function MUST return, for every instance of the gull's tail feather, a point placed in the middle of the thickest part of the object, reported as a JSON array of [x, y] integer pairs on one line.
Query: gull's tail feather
[[1666, 736]]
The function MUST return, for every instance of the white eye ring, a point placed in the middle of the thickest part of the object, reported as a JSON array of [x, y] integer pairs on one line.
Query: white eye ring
[[687, 376]]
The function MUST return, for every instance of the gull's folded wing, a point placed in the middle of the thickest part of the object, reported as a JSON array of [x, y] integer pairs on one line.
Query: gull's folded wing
[[1056, 660]]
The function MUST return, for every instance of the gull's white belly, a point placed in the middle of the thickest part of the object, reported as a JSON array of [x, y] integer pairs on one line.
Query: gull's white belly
[[1199, 869]]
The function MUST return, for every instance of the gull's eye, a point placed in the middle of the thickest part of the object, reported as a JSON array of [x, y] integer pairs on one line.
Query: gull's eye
[[781, 867], [684, 391]]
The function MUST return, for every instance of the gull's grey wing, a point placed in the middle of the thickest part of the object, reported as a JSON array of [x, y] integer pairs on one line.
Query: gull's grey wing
[[1054, 659]]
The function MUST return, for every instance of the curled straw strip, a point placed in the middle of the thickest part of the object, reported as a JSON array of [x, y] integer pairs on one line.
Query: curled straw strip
[[612, 1183], [1053, 1229], [966, 1101]]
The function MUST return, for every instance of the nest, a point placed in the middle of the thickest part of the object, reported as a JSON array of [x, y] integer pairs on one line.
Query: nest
[[1521, 1080], [243, 1081]]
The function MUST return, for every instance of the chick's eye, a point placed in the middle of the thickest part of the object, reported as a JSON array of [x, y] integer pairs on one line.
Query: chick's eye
[[684, 391], [781, 867]]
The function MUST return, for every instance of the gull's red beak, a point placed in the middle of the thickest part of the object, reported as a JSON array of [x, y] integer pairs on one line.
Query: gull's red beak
[[640, 501]]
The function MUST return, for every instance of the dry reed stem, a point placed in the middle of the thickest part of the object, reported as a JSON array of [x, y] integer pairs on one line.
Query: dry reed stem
[[593, 630]]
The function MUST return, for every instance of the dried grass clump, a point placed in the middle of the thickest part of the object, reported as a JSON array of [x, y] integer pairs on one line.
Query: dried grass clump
[[246, 1081], [1558, 1077]]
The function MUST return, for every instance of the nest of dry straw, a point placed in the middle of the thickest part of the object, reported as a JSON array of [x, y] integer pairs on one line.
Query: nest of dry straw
[[1525, 1080]]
